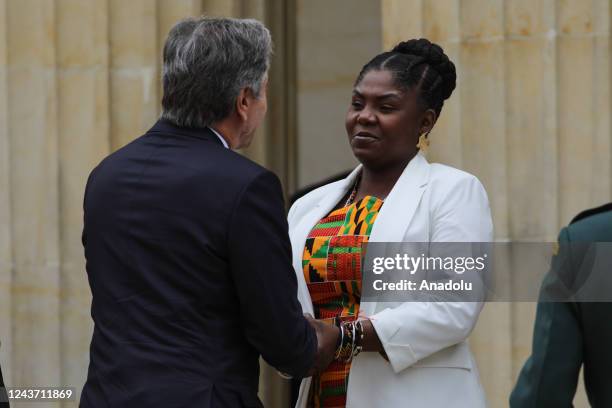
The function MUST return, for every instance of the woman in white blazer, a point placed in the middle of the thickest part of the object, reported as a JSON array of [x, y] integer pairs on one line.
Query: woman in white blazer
[[414, 354]]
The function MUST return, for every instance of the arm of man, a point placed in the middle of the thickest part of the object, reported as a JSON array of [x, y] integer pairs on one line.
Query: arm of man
[[260, 263], [550, 375]]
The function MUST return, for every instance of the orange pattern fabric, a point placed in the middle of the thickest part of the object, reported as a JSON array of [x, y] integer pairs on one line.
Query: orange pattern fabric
[[331, 264]]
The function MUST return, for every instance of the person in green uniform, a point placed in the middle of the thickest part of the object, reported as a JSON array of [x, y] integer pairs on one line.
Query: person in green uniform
[[571, 335]]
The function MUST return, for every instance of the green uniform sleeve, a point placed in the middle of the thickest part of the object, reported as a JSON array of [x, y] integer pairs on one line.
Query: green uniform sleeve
[[550, 375]]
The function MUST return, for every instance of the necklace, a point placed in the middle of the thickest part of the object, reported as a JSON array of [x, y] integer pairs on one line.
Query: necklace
[[351, 197]]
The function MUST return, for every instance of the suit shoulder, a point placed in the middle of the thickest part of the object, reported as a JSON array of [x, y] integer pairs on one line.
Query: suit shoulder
[[448, 173], [592, 225], [241, 165], [445, 177], [120, 153], [242, 173], [603, 211]]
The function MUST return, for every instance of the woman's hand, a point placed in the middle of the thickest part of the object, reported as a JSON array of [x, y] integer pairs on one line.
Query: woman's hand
[[370, 341]]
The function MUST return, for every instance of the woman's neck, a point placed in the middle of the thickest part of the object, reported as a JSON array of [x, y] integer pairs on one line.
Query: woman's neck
[[379, 182]]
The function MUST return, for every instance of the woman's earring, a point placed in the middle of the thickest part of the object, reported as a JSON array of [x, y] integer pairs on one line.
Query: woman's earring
[[423, 142]]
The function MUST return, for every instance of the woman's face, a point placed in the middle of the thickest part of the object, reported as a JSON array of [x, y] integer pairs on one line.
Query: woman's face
[[383, 123]]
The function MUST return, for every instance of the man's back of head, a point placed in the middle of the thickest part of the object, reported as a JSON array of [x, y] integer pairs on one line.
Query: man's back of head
[[209, 64]]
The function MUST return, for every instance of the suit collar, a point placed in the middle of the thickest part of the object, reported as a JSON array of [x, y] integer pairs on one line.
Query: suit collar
[[401, 203], [221, 138], [414, 176], [167, 127]]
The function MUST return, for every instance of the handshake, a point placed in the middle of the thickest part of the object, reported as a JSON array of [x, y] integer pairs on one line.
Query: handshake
[[341, 341]]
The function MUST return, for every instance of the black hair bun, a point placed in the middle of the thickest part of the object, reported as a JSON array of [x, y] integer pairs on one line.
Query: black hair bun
[[435, 57]]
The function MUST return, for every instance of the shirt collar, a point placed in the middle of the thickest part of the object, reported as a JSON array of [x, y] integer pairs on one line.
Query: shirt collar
[[220, 137]]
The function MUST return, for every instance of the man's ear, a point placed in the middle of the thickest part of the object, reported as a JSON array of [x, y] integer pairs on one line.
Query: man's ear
[[243, 103]]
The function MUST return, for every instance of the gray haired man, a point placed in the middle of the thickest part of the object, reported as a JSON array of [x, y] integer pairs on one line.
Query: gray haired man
[[188, 256]]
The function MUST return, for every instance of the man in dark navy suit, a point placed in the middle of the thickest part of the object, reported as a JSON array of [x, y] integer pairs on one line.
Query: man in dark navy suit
[[188, 255]]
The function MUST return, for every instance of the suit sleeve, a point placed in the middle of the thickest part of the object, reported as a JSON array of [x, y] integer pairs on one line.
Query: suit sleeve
[[550, 375], [84, 233], [260, 264], [416, 330]]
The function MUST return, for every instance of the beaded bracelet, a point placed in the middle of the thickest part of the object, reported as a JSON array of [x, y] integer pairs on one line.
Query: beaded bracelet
[[351, 343], [359, 337], [345, 351], [340, 343]]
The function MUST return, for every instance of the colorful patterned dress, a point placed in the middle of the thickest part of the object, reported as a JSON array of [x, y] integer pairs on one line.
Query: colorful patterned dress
[[332, 267]]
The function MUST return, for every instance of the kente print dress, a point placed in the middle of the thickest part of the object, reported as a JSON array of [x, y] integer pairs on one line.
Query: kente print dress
[[332, 267]]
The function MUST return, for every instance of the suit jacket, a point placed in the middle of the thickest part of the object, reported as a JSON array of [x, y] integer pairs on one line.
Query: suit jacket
[[570, 335], [189, 264], [430, 364]]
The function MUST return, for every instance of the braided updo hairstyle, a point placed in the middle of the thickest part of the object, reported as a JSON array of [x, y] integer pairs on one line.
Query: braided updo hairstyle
[[418, 64]]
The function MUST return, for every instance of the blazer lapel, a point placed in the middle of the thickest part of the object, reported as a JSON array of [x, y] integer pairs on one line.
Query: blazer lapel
[[399, 208], [303, 228], [390, 226]]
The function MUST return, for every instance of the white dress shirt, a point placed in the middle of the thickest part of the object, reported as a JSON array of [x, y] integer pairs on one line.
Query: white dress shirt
[[220, 137]]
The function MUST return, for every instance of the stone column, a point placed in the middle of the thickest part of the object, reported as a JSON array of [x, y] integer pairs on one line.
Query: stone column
[[441, 25], [224, 8], [531, 128], [84, 139], [401, 20], [6, 258], [583, 32], [134, 61], [34, 199], [482, 99], [169, 12], [280, 143]]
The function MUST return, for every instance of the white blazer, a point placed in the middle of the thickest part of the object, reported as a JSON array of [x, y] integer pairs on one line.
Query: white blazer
[[430, 364]]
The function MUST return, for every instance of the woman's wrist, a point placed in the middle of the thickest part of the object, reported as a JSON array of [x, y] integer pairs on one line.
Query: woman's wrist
[[371, 342], [355, 337]]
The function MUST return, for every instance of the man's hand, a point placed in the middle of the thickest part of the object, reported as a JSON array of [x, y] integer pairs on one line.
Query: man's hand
[[327, 340]]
